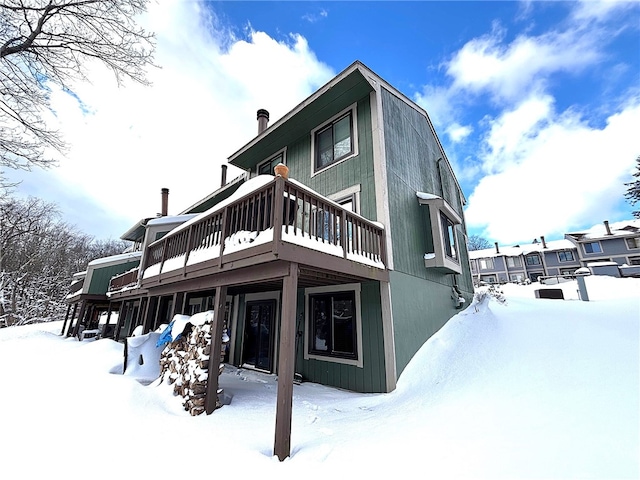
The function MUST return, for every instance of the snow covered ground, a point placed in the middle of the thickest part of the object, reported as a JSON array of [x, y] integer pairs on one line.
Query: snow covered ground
[[532, 389]]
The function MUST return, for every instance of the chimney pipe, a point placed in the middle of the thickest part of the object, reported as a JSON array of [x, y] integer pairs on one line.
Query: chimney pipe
[[497, 249], [223, 180], [544, 244], [606, 226], [165, 201], [263, 120]]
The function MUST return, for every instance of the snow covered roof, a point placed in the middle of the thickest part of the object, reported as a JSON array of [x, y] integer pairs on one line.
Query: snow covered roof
[[170, 219], [624, 228], [517, 250], [136, 232], [116, 259], [427, 196]]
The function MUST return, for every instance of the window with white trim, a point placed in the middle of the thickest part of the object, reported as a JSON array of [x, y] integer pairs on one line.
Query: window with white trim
[[514, 262], [566, 256], [633, 243], [335, 140], [592, 247], [266, 167], [486, 263], [334, 324], [533, 260]]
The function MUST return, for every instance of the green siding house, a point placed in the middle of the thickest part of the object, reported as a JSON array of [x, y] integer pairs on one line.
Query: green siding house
[[337, 271]]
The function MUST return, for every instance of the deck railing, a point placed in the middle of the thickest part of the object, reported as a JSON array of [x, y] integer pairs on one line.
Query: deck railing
[[123, 280], [297, 215]]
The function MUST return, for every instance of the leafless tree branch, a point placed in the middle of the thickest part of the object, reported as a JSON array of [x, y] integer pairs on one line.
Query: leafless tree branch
[[48, 42]]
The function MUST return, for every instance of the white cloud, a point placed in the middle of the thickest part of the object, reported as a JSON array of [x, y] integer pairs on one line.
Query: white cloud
[[316, 16], [510, 134], [600, 10], [538, 171], [507, 72], [200, 109], [564, 174], [457, 133]]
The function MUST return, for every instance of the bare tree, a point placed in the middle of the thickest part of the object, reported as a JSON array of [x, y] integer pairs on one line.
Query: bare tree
[[49, 42], [633, 189], [476, 242], [38, 256]]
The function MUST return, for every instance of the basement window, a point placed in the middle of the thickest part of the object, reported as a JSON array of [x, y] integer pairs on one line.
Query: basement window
[[445, 256]]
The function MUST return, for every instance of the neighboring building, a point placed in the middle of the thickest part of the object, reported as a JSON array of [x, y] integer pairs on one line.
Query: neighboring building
[[606, 249], [524, 262], [360, 255], [618, 243]]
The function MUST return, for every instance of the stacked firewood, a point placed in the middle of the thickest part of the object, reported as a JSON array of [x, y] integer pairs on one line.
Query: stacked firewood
[[184, 364]]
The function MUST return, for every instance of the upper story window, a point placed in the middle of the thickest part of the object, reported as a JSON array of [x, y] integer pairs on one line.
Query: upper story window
[[592, 247], [533, 260], [486, 263], [334, 141], [266, 167], [514, 262], [566, 256], [633, 243]]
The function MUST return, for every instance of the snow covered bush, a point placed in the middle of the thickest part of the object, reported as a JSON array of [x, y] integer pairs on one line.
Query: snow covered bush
[[485, 294]]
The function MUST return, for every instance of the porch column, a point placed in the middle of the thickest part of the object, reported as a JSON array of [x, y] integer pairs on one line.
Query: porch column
[[286, 363], [216, 346]]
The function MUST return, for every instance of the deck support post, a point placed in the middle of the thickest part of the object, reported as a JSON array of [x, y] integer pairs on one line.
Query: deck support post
[[66, 318], [286, 364], [150, 317], [211, 395], [122, 312], [76, 329]]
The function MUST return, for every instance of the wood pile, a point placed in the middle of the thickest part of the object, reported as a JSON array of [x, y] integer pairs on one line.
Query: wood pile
[[184, 364]]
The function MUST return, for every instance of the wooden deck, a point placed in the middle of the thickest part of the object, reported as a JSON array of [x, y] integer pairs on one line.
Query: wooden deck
[[250, 239]]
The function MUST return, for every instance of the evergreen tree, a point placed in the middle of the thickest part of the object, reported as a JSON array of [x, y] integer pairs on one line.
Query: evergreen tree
[[633, 190]]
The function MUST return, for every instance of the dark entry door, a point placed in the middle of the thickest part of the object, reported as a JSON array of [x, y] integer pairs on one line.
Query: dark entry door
[[258, 334]]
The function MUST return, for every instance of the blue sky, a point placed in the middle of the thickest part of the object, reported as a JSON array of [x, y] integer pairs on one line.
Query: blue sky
[[537, 104]]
